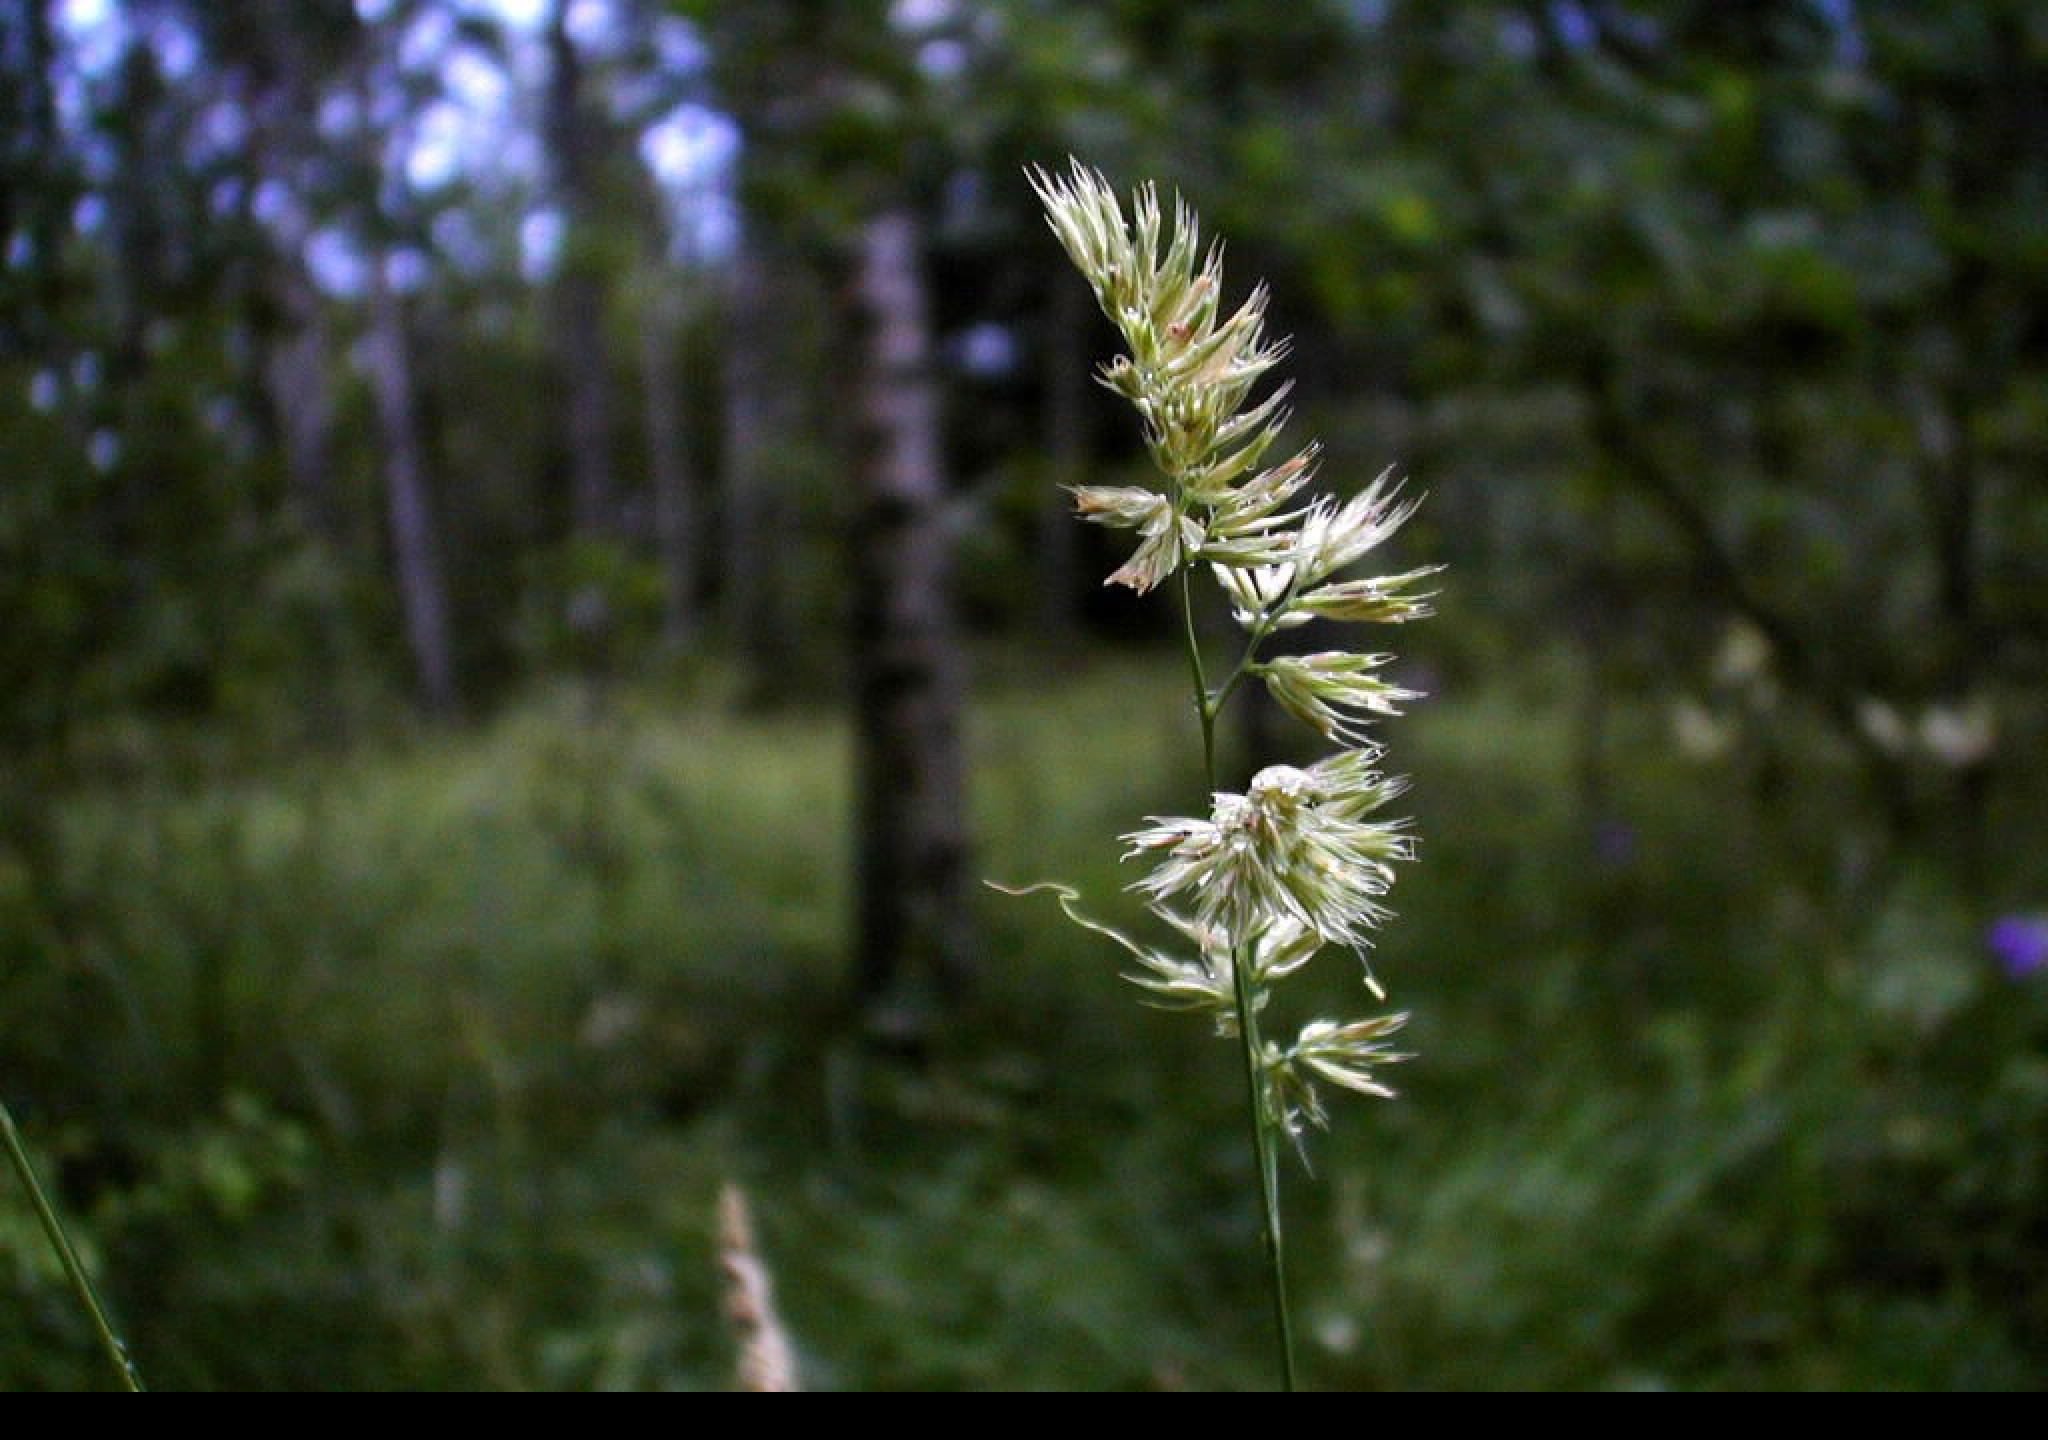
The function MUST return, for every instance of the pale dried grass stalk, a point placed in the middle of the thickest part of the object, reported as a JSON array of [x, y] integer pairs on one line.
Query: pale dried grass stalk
[[767, 1360]]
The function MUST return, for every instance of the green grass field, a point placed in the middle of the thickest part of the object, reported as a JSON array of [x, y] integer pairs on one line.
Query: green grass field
[[424, 1067]]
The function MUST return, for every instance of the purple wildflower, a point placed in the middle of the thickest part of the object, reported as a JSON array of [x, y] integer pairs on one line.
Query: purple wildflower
[[2020, 944], [1614, 841]]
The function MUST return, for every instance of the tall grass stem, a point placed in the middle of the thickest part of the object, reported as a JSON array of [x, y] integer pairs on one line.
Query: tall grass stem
[[1295, 864], [1265, 1150], [67, 1256]]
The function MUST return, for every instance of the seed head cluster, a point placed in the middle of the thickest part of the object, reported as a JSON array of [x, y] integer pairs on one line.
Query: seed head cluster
[[1300, 861]]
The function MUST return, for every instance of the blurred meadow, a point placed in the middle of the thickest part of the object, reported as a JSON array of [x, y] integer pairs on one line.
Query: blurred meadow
[[535, 588]]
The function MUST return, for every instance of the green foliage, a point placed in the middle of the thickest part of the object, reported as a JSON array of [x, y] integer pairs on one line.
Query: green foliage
[[49, 1340], [504, 1012], [593, 608], [362, 1056]]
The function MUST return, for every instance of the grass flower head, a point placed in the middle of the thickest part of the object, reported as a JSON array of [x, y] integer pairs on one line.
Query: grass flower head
[[1301, 860]]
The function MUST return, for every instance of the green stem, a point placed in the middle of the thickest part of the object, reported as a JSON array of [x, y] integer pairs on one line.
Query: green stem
[[1205, 704], [1246, 666], [81, 1283], [1265, 1147]]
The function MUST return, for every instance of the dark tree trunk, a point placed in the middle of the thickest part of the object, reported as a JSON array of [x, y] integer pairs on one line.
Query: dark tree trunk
[[912, 828], [415, 544], [1951, 487], [761, 415], [675, 511], [301, 398], [579, 293], [275, 78], [34, 197], [1066, 443]]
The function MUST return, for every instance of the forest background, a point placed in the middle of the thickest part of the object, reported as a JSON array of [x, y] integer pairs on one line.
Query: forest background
[[534, 585]]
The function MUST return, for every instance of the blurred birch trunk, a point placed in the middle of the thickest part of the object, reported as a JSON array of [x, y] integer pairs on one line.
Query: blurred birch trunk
[[908, 675], [579, 293], [415, 542]]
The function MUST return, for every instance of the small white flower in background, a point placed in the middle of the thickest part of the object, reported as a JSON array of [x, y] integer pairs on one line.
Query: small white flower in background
[[1884, 726], [1701, 734], [1960, 736], [1744, 658]]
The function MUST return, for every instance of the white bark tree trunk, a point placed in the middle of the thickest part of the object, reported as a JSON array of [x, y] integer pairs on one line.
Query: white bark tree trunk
[[912, 826], [415, 542]]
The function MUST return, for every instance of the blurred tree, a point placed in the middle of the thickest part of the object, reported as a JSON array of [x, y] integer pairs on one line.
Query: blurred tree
[[575, 151], [1067, 444], [1804, 302], [278, 62], [386, 219], [35, 183], [839, 149], [415, 539], [908, 675], [1017, 86], [770, 441], [624, 86], [767, 69], [664, 316], [1691, 313]]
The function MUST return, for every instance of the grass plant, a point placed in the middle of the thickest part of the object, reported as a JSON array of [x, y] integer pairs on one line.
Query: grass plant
[[1301, 861]]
